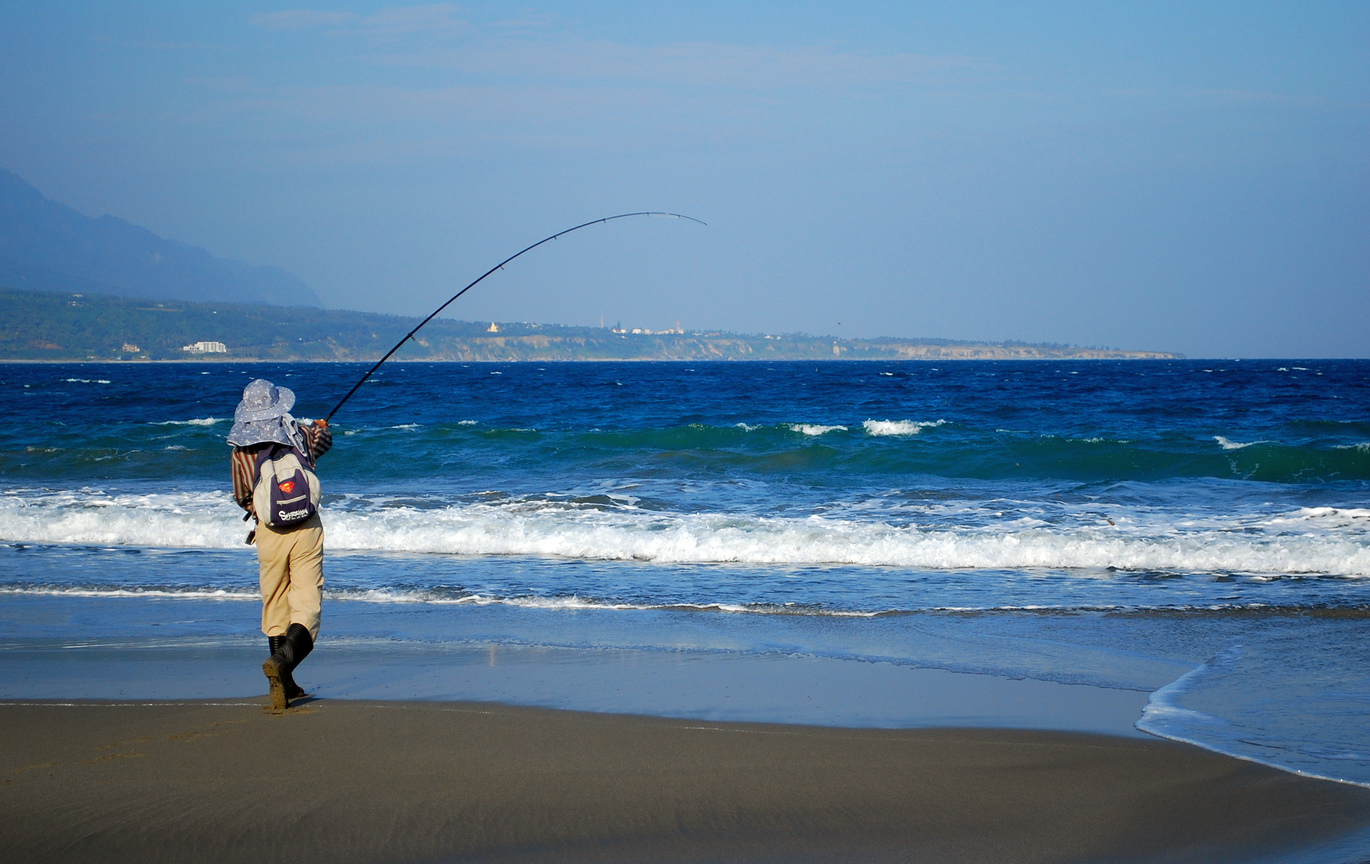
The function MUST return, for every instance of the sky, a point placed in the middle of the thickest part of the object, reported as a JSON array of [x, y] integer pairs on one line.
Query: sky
[[1162, 176]]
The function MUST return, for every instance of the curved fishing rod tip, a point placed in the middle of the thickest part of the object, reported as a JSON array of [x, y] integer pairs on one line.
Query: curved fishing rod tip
[[499, 266], [680, 216]]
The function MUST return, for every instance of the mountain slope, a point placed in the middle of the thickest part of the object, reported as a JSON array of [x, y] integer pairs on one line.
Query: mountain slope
[[47, 246]]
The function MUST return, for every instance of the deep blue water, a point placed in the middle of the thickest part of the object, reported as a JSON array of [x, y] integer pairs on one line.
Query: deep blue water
[[1120, 524]]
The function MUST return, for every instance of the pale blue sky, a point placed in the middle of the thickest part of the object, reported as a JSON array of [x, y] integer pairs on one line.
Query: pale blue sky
[[1161, 177]]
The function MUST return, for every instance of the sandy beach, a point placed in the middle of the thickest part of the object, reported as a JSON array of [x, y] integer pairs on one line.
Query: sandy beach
[[346, 781]]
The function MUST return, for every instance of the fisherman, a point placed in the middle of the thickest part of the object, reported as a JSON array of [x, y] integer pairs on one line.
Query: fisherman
[[274, 481]]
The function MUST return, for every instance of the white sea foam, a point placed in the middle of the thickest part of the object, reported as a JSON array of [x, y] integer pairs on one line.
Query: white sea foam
[[85, 380], [899, 427], [1229, 444], [1162, 712], [815, 429], [195, 520], [388, 596], [1337, 544], [199, 421], [560, 603], [190, 594], [1320, 518], [573, 603], [1342, 512]]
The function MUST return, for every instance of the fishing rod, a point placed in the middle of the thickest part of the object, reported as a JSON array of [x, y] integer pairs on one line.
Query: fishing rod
[[499, 266]]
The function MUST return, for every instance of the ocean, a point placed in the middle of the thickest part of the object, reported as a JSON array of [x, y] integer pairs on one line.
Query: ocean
[[1193, 533]]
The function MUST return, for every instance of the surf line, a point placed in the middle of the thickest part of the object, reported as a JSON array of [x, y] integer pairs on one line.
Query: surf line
[[498, 266]]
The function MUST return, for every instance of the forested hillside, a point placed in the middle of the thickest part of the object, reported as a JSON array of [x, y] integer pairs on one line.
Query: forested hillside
[[48, 326]]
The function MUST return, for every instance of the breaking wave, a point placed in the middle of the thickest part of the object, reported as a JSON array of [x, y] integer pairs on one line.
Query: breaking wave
[[1309, 541], [898, 427], [1229, 444]]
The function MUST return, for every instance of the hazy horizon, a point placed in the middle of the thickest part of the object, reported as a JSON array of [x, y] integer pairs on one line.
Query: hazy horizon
[[1165, 179]]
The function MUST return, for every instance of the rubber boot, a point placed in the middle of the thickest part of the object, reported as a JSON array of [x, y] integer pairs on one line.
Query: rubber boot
[[292, 648], [292, 690]]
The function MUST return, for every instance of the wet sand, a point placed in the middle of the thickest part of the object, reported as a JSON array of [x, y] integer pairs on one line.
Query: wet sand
[[700, 685], [411, 781]]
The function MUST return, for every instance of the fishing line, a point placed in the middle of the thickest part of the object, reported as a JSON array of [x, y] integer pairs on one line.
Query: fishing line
[[498, 266]]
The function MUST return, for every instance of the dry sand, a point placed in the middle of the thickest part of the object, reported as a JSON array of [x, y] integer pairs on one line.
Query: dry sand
[[413, 781]]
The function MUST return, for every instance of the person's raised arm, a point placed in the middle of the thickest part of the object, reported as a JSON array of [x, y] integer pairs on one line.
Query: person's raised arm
[[319, 437]]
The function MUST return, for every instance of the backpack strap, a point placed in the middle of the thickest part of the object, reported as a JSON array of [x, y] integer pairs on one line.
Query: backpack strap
[[265, 453]]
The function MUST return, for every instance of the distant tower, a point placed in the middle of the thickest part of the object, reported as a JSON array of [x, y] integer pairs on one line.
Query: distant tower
[[493, 328]]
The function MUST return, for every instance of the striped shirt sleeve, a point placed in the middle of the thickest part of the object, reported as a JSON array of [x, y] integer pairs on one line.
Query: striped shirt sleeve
[[320, 440], [243, 463]]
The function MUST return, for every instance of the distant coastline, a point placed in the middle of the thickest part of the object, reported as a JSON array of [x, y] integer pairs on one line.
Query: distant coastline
[[55, 327]]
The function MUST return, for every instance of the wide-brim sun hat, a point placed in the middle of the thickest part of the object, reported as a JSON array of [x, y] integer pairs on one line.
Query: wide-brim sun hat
[[263, 400]]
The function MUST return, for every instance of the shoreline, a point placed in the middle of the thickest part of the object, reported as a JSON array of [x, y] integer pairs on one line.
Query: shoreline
[[402, 781], [695, 685], [110, 361], [64, 323]]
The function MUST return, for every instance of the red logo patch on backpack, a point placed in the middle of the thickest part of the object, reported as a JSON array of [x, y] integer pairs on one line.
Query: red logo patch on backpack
[[287, 487]]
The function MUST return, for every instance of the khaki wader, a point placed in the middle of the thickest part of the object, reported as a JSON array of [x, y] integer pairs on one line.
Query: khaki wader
[[292, 576]]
